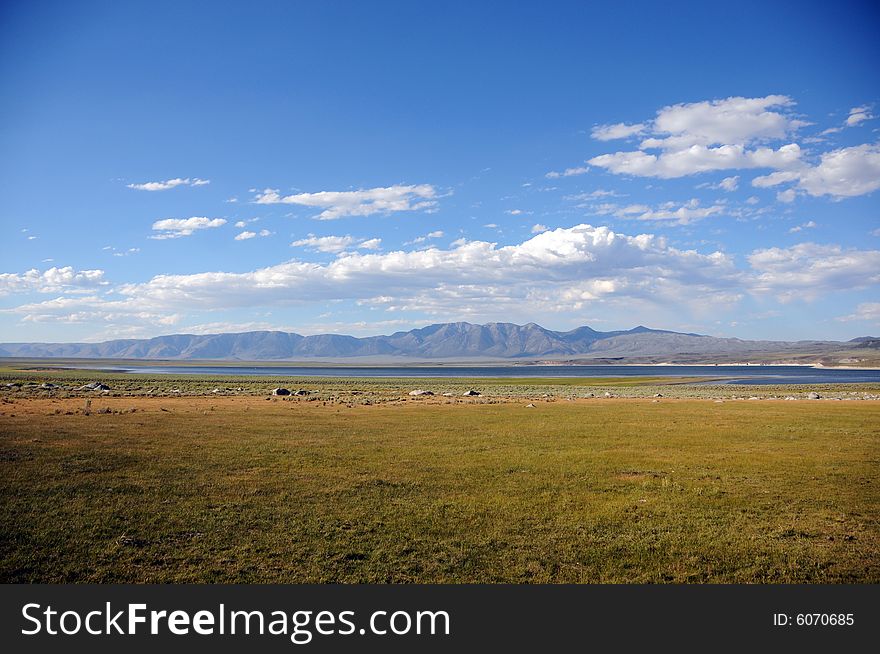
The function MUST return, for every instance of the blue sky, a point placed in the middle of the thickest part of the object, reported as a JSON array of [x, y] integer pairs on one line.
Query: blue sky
[[368, 167]]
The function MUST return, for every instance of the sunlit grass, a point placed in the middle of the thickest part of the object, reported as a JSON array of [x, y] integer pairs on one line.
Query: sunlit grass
[[248, 490]]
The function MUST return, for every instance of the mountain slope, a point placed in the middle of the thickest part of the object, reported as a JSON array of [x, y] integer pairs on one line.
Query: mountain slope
[[439, 341]]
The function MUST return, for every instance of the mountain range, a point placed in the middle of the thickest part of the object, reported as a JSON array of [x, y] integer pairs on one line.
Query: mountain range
[[460, 341]]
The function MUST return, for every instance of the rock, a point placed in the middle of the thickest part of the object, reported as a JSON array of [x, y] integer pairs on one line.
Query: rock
[[658, 395], [590, 395], [448, 394], [419, 391], [754, 398], [471, 393], [814, 396], [46, 386], [530, 406], [216, 390], [607, 394], [280, 391], [300, 392], [93, 386], [789, 398]]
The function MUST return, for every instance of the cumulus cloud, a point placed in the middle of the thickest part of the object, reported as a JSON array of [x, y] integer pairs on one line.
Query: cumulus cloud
[[557, 270], [858, 115], [810, 224], [337, 244], [867, 311], [179, 227], [845, 172], [538, 228], [169, 183], [247, 235], [712, 135], [729, 184], [52, 280], [668, 212], [786, 196], [364, 202], [617, 131], [438, 233], [807, 270], [568, 172], [734, 134], [697, 158]]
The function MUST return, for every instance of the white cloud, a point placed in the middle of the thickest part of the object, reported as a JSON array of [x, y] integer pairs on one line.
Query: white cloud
[[438, 233], [568, 172], [122, 253], [169, 183], [538, 228], [867, 311], [807, 270], [617, 131], [705, 136], [178, 227], [247, 234], [786, 196], [337, 244], [364, 202], [858, 115], [52, 280], [669, 212], [371, 244], [728, 184], [697, 158], [593, 195], [810, 224], [513, 212], [557, 270], [845, 172]]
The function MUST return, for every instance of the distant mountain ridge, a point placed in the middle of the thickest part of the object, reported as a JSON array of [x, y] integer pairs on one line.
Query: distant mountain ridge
[[458, 340]]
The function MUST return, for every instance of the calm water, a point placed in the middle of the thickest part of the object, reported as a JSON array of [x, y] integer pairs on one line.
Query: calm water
[[721, 374]]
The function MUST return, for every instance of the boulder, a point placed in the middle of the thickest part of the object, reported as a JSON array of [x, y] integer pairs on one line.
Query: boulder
[[300, 392], [814, 396], [280, 391], [419, 391], [471, 393]]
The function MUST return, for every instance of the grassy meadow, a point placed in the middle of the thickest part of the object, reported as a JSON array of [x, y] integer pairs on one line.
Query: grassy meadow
[[136, 488]]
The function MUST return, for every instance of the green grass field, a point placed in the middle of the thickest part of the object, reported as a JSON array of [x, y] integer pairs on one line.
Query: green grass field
[[240, 489]]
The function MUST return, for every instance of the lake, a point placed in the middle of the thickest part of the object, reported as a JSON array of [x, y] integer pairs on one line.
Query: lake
[[723, 374]]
